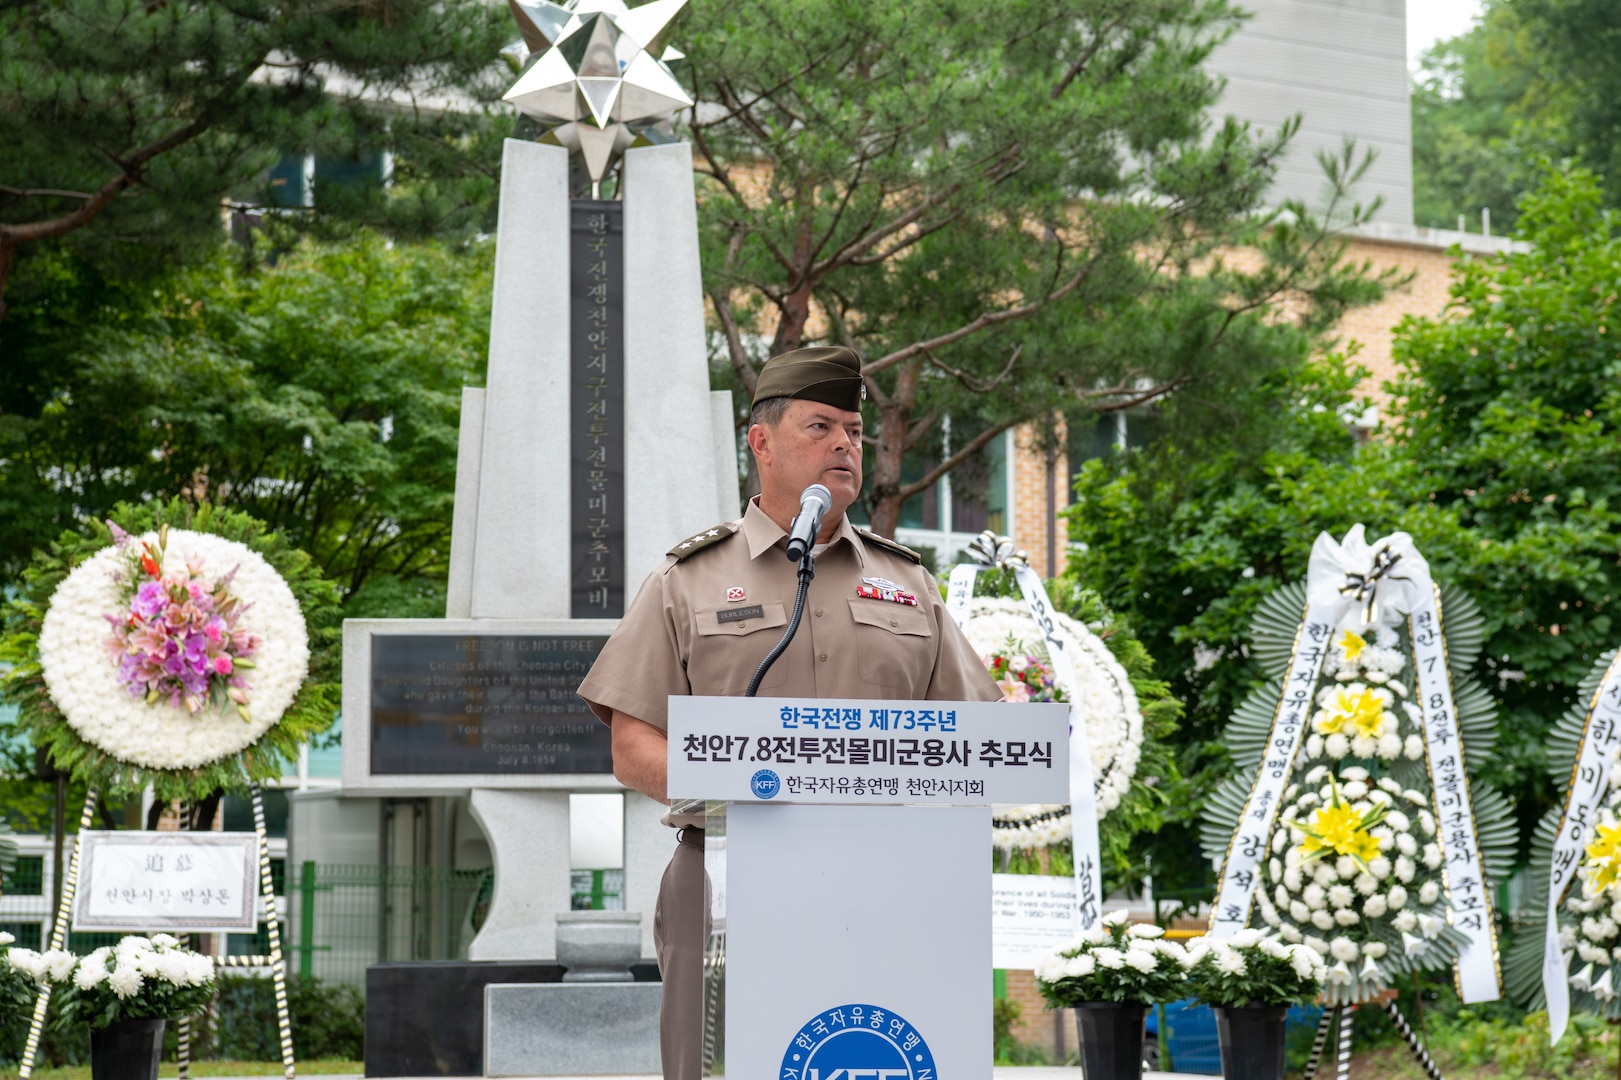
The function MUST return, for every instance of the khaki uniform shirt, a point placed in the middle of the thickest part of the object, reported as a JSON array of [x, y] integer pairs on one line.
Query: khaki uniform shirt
[[702, 622]]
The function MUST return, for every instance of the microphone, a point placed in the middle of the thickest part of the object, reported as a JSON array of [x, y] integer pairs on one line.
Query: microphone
[[814, 501]]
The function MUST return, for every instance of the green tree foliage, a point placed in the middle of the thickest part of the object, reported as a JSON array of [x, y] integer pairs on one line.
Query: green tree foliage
[[1506, 469], [1578, 45], [1511, 413], [320, 396], [1014, 209], [1531, 79], [1482, 115], [126, 122]]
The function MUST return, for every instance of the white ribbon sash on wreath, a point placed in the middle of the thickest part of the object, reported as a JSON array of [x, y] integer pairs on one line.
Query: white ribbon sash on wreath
[[1082, 797], [1462, 869], [1241, 869], [1589, 780]]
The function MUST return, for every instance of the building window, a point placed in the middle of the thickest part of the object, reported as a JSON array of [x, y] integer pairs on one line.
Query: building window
[[255, 944], [973, 497], [82, 943], [297, 180], [28, 879], [28, 934], [291, 181], [978, 490], [238, 812], [1104, 433], [920, 511]]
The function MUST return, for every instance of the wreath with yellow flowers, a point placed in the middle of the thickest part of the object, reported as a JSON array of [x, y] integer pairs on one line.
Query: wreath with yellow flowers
[[1353, 867], [1589, 912]]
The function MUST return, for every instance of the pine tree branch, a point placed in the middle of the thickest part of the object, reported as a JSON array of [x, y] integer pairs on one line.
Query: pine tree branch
[[129, 173], [1132, 396], [11, 236], [1078, 68], [735, 353], [983, 322], [974, 446], [999, 169], [43, 193], [968, 380]]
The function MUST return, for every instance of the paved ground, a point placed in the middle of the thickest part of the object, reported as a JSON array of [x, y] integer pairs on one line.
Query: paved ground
[[1000, 1074]]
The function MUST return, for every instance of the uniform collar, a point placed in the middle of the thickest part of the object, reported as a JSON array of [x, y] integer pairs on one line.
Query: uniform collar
[[763, 534]]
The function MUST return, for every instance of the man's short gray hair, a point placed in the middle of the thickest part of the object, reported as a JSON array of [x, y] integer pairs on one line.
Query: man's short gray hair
[[769, 411]]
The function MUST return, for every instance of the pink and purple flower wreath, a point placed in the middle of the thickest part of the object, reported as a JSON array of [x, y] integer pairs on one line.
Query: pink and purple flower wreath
[[178, 639]]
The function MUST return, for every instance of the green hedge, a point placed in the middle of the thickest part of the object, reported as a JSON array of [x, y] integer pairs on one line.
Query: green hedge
[[329, 1021]]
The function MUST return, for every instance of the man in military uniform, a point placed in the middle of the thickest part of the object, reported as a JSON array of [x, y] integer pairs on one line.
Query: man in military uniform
[[874, 627]]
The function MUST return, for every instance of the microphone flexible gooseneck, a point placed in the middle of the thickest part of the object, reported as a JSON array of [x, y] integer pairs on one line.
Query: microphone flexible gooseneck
[[815, 501], [807, 570]]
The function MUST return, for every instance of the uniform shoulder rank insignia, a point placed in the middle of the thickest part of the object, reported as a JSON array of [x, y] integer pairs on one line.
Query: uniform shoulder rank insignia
[[707, 538], [891, 546]]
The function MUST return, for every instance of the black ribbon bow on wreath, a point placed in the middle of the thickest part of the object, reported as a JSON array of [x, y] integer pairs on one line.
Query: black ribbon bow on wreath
[[1364, 588]]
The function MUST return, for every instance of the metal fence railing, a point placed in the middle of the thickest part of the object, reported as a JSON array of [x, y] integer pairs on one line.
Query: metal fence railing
[[341, 919]]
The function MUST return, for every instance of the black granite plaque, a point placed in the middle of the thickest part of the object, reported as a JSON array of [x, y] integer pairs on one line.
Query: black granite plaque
[[597, 409], [484, 703]]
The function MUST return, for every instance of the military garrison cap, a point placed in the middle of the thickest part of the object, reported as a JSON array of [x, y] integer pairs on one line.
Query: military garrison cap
[[830, 374]]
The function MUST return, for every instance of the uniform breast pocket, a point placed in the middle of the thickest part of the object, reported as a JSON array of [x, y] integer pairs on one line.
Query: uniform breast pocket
[[895, 646], [729, 643]]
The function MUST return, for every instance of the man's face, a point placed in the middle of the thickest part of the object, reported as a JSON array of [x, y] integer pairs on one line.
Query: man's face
[[812, 444]]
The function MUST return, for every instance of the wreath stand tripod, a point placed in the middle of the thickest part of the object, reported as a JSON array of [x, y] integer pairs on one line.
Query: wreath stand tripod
[[1343, 1063], [275, 961]]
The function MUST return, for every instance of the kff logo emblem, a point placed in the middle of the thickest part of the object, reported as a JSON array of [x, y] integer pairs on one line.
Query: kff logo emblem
[[765, 784], [857, 1042]]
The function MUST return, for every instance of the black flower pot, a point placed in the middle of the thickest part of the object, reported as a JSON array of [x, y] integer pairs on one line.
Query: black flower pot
[[1111, 1037], [126, 1050], [1252, 1040]]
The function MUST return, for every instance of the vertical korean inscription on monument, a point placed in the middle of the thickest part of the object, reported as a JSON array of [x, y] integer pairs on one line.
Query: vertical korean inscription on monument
[[597, 410]]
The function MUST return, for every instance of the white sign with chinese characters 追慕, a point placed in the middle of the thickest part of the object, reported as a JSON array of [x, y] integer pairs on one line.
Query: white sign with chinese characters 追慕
[[946, 753], [197, 882]]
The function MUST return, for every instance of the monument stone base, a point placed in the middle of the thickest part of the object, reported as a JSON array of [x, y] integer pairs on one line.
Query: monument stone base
[[426, 1018], [572, 1029]]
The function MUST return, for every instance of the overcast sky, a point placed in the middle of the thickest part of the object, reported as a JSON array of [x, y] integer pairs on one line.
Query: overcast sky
[[1429, 21]]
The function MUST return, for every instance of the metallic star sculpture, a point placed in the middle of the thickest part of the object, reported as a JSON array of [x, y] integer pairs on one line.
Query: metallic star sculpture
[[593, 75]]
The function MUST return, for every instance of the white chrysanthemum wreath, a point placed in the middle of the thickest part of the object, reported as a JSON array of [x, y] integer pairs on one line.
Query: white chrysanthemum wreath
[[133, 639], [1108, 707]]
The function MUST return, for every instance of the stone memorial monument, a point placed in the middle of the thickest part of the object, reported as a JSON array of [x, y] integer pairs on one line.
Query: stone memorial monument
[[595, 443]]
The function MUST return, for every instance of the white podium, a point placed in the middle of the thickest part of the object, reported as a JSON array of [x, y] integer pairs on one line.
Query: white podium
[[858, 873]]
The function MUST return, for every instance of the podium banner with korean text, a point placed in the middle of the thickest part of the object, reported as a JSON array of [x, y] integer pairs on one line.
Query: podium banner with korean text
[[951, 753], [858, 934]]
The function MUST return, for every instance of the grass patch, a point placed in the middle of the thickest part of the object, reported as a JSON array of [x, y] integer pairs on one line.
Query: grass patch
[[1467, 1046], [211, 1068]]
